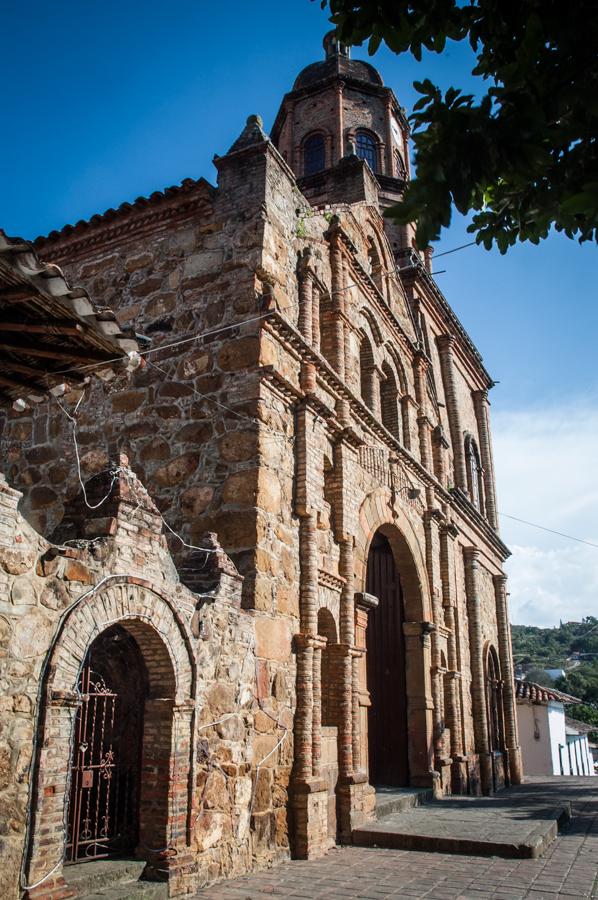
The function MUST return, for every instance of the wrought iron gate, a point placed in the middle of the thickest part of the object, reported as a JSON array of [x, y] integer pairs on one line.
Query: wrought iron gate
[[103, 807]]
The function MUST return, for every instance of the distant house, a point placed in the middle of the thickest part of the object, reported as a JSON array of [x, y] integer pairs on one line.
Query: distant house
[[581, 755], [550, 743], [555, 674]]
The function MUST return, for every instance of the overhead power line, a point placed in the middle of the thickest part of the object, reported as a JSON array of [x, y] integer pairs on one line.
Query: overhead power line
[[454, 250], [551, 530]]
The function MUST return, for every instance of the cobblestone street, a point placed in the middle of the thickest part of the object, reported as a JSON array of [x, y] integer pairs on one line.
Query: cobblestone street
[[569, 869]]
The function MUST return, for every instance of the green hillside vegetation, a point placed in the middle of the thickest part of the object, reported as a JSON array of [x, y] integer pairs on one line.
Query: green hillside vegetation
[[573, 647]]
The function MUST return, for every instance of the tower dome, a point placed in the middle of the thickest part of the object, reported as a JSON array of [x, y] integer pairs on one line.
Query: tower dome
[[337, 62], [339, 109]]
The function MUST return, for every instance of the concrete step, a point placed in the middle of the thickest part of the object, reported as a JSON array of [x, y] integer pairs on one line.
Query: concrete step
[[477, 826], [113, 879], [132, 890], [391, 800]]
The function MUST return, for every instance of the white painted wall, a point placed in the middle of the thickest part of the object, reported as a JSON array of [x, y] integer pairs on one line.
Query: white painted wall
[[543, 738], [579, 754], [534, 738], [546, 748], [558, 738]]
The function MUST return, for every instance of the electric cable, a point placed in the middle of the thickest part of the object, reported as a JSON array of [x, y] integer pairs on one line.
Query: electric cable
[[550, 530]]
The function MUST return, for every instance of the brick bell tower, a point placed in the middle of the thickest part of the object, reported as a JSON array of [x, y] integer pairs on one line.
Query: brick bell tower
[[340, 112]]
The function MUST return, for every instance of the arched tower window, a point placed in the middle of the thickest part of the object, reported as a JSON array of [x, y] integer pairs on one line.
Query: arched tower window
[[474, 473], [366, 149], [389, 401], [400, 170], [314, 154]]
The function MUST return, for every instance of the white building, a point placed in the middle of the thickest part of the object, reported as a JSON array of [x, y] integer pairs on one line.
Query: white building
[[549, 745]]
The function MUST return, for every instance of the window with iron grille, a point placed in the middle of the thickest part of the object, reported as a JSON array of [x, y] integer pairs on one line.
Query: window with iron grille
[[366, 149], [314, 154]]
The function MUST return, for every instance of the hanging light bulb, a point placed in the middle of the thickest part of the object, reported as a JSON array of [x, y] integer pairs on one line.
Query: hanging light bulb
[[20, 405]]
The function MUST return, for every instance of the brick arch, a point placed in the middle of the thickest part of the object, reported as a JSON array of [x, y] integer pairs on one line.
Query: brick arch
[[130, 603], [372, 325], [375, 232], [377, 512], [165, 798], [397, 363]]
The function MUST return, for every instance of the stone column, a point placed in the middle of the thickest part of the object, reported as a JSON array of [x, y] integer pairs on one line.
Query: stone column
[[508, 675], [315, 317], [319, 645], [47, 838], [291, 119], [439, 448], [480, 402], [478, 682], [390, 163], [420, 367], [419, 700], [338, 303], [454, 712], [376, 378], [430, 530], [445, 344], [364, 603], [405, 421], [305, 321], [347, 640], [340, 122]]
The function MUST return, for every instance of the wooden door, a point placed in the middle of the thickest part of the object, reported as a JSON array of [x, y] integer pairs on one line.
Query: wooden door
[[387, 714]]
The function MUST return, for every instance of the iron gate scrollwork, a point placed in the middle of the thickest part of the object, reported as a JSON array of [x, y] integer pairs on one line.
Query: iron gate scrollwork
[[105, 762]]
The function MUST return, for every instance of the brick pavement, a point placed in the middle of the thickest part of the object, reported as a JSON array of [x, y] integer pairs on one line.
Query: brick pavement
[[568, 869]]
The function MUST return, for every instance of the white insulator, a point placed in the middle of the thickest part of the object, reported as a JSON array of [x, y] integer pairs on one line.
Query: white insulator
[[134, 360], [20, 405], [59, 389]]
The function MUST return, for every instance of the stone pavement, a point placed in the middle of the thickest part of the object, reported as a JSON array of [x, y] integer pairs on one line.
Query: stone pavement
[[568, 869], [519, 823]]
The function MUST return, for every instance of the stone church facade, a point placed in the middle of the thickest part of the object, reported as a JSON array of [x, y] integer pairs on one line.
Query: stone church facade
[[298, 555]]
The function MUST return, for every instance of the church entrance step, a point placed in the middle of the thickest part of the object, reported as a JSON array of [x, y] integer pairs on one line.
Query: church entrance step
[[113, 879], [516, 827], [391, 800]]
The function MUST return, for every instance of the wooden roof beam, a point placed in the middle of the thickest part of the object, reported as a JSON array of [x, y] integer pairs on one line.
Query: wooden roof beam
[[23, 386], [42, 373], [17, 294], [58, 327], [63, 355]]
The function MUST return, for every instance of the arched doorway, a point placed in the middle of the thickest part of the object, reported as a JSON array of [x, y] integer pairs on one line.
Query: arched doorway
[[494, 709], [386, 675], [156, 672], [105, 770]]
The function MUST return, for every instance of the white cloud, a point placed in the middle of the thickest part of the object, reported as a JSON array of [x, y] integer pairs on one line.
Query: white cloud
[[547, 466]]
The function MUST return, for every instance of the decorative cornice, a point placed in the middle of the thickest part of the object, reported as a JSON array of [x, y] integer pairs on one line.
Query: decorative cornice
[[330, 580], [129, 219], [418, 271]]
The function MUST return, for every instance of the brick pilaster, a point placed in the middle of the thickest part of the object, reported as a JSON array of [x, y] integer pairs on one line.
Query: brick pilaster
[[478, 687], [445, 344], [508, 676], [480, 402]]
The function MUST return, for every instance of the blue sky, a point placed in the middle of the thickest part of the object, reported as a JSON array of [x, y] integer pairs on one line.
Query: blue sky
[[106, 101]]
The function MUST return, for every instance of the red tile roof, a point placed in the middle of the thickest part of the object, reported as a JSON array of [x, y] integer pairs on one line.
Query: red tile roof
[[537, 693]]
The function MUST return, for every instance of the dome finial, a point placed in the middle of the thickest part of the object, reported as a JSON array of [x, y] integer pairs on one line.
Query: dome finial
[[333, 47]]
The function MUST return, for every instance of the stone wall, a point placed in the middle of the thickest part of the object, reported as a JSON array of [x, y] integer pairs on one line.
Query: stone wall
[[235, 816]]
